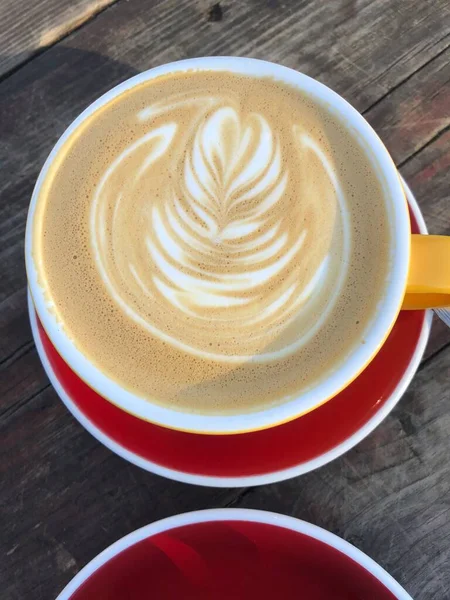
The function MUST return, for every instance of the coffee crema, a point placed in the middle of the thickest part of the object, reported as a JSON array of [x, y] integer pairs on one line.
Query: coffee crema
[[213, 242]]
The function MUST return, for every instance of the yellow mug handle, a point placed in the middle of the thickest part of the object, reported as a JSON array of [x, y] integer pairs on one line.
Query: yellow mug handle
[[428, 283]]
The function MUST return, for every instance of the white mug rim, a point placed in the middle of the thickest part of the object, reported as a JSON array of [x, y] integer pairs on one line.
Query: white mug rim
[[325, 390], [236, 514]]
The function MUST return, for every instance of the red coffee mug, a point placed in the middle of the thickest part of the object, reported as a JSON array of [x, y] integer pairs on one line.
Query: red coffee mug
[[232, 554]]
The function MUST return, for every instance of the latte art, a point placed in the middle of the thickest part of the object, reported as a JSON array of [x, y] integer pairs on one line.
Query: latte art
[[206, 231], [212, 242]]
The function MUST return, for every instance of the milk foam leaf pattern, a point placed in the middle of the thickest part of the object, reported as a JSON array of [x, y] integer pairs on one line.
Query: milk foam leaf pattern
[[222, 233]]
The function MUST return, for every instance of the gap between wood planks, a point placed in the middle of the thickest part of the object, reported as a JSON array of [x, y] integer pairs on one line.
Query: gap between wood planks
[[428, 359], [25, 402], [425, 145], [60, 33], [17, 353], [407, 78]]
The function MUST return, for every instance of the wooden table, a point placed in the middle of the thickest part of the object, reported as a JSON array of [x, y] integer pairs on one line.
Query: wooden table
[[64, 497]]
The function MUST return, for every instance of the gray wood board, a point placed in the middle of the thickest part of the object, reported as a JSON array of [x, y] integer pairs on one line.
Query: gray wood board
[[31, 26]]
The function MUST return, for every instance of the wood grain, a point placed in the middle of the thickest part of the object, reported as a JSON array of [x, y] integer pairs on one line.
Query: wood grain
[[27, 28], [415, 112], [64, 496]]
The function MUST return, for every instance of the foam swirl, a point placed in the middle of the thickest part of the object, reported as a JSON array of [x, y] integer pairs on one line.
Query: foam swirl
[[222, 235]]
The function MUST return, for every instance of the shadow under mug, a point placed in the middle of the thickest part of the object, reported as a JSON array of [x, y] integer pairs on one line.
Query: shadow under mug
[[419, 275]]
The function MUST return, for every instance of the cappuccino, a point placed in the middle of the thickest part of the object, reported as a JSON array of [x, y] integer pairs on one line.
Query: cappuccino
[[213, 242]]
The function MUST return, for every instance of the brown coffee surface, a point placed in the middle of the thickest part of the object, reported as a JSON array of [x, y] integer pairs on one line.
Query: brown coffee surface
[[212, 242]]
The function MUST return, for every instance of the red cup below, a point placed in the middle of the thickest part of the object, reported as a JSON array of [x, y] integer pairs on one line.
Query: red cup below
[[231, 560]]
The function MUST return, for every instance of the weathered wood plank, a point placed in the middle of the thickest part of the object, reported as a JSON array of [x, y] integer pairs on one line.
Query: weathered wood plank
[[439, 338], [427, 174], [15, 330], [29, 27], [25, 379], [65, 497], [390, 495], [416, 111]]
